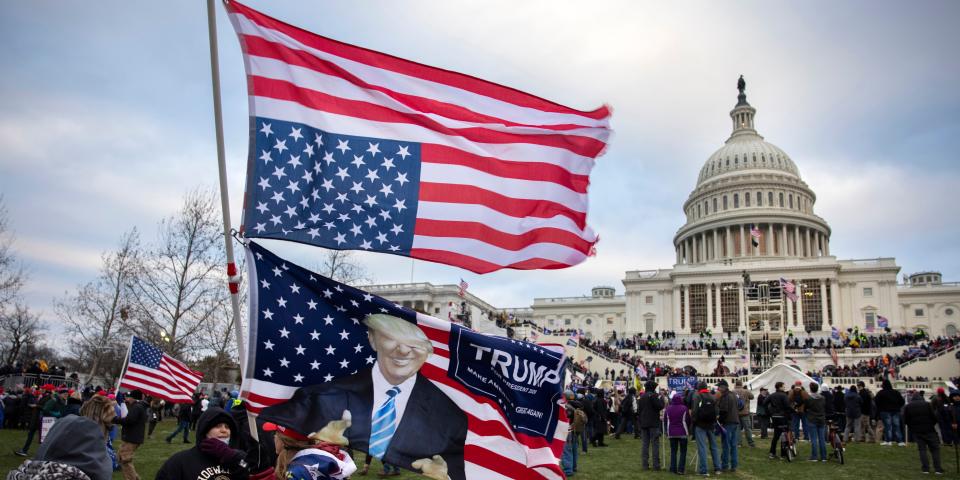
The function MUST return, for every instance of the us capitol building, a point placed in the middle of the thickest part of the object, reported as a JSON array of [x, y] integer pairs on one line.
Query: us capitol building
[[747, 185]]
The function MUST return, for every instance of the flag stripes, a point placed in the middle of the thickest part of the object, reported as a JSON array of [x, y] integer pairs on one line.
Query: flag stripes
[[158, 374], [524, 160]]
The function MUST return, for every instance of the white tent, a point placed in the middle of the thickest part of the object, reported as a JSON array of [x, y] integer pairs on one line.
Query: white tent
[[780, 372]]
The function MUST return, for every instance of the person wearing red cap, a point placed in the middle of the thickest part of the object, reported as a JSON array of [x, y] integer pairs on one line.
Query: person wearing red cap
[[941, 406], [311, 457]]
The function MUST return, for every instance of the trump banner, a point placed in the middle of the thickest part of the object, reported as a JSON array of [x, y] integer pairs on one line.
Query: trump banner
[[412, 390], [356, 149], [680, 383]]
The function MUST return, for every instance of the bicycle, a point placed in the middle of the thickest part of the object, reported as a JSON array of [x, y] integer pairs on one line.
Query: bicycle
[[788, 447], [835, 438]]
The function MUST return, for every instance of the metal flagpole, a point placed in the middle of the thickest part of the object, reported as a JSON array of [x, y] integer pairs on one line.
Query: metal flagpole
[[233, 277]]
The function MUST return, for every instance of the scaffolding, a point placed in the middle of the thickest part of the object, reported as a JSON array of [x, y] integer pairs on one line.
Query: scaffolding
[[765, 323]]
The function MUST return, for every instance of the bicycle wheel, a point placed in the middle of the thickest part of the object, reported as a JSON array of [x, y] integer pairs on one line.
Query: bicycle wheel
[[840, 455], [789, 452]]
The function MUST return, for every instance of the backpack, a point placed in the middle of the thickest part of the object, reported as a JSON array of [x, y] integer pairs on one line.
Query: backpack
[[740, 403], [579, 420], [706, 410]]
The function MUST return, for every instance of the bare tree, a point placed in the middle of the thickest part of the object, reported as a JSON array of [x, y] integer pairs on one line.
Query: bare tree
[[96, 315], [12, 276], [343, 266], [181, 284], [219, 341], [18, 329]]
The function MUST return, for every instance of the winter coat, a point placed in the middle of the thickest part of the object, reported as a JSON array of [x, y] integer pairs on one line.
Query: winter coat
[[828, 404], [727, 411], [866, 402], [919, 416], [762, 405], [628, 406], [777, 404], [746, 396], [677, 422], [888, 400], [54, 407], [134, 424], [851, 404], [192, 464], [649, 406], [72, 450], [72, 407], [815, 406], [184, 415], [260, 454]]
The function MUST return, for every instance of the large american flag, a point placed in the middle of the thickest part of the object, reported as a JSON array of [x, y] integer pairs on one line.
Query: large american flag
[[307, 329], [155, 373], [356, 149]]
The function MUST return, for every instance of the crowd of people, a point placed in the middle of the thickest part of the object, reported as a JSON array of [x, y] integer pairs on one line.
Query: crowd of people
[[83, 444], [720, 419]]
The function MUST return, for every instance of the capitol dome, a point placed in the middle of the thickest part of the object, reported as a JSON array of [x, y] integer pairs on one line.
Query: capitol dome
[[750, 201]]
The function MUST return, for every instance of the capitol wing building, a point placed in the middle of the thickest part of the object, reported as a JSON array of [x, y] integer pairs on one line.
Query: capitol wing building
[[751, 212]]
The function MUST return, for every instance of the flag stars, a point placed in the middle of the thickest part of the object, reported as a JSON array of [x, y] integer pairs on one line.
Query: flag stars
[[268, 345], [314, 233], [343, 146], [282, 302], [397, 229], [300, 349], [284, 362], [308, 151], [356, 208], [281, 145], [291, 211], [328, 320], [311, 305], [298, 378], [355, 230], [318, 139], [357, 187], [370, 221], [370, 359], [344, 363], [386, 190], [265, 156], [295, 134], [367, 297], [266, 129], [294, 288], [382, 237], [370, 201], [358, 348], [327, 185], [344, 335], [314, 365], [372, 175], [400, 205], [262, 207], [385, 214], [267, 372], [342, 173], [307, 177], [387, 164], [340, 238], [358, 160], [328, 157], [374, 149], [284, 333], [276, 220], [294, 186], [327, 377], [264, 183], [404, 152], [298, 319], [314, 335], [279, 172], [294, 161], [277, 197], [265, 284], [267, 314], [401, 179], [330, 349]]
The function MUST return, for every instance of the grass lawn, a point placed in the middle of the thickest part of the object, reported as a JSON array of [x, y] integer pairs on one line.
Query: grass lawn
[[621, 460]]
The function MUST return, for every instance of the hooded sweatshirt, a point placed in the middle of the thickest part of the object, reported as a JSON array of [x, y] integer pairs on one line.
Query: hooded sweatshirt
[[192, 464], [888, 400], [677, 422], [73, 450]]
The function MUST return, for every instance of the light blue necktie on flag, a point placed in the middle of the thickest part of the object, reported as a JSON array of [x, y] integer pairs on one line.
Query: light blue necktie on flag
[[384, 425]]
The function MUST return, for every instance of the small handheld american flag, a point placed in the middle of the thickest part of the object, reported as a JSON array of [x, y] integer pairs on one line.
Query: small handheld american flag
[[755, 234], [463, 287], [158, 374], [790, 288]]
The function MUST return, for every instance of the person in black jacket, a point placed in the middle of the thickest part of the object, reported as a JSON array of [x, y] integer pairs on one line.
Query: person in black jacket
[[628, 414], [260, 457], [648, 409], [184, 417], [889, 402], [779, 409], [215, 454], [921, 420], [134, 430]]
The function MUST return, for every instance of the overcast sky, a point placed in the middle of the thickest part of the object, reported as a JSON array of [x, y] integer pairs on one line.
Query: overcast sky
[[106, 118]]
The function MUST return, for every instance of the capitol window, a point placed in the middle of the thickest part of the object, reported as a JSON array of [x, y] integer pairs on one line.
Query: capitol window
[[918, 312], [714, 205], [736, 200], [724, 202], [759, 199], [869, 318], [781, 199], [746, 199], [867, 291], [589, 321], [770, 198], [948, 312], [649, 300], [791, 201]]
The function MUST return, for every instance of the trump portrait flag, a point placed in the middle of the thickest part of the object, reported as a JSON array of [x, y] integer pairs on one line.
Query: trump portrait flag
[[416, 387], [356, 149]]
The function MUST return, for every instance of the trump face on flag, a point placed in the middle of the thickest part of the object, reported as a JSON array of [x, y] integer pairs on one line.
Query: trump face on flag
[[398, 416]]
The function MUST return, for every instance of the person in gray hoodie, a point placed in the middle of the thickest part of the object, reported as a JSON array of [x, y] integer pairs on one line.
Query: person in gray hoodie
[[729, 408], [73, 450], [815, 408]]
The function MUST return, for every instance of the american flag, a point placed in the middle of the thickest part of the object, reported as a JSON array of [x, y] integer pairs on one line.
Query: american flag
[[790, 288], [574, 339], [155, 373], [882, 321], [307, 329], [356, 149], [463, 287], [755, 233]]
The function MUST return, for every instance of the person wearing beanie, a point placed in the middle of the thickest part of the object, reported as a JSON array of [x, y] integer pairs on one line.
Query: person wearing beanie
[[134, 430], [215, 454], [920, 418], [889, 403], [649, 406], [72, 450], [316, 456]]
